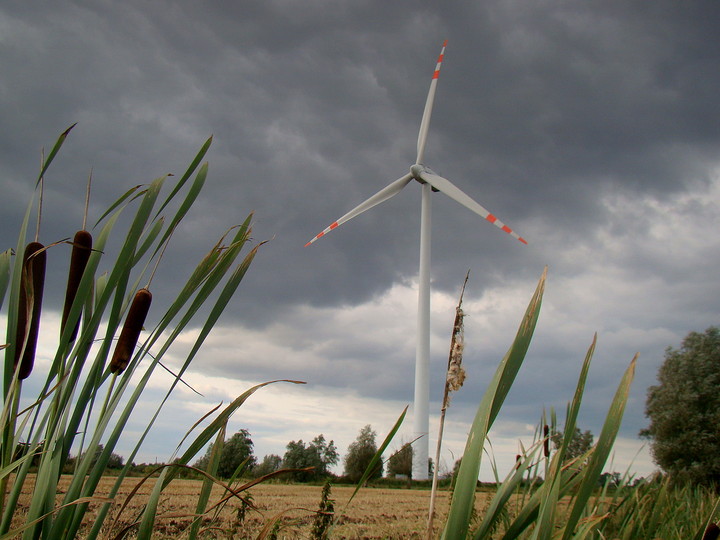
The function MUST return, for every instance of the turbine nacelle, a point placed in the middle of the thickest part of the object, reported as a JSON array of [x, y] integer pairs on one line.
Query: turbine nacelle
[[417, 170]]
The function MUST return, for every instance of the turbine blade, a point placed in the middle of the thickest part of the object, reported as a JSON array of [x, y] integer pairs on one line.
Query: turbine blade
[[425, 124], [449, 189], [381, 196]]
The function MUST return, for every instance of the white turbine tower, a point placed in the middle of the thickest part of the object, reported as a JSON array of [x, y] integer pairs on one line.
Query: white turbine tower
[[430, 182]]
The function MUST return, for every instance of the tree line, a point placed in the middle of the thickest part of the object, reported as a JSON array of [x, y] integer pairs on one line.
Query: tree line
[[309, 461], [683, 409]]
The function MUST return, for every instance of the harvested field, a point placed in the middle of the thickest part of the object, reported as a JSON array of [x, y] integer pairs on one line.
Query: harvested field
[[374, 513]]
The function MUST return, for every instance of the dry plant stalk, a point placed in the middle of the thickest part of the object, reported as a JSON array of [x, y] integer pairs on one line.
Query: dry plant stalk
[[453, 382]]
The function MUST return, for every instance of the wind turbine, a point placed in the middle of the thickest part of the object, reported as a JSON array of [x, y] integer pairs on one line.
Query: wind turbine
[[430, 181]]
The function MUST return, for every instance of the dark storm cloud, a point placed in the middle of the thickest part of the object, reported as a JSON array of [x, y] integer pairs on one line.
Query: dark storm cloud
[[316, 107]]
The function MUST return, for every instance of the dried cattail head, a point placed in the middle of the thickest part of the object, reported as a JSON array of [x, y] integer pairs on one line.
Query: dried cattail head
[[546, 441], [456, 373], [82, 248], [518, 459], [455, 377], [32, 283], [131, 331]]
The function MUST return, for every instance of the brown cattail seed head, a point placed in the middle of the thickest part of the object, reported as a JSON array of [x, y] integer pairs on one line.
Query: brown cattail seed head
[[82, 248], [546, 441], [32, 284], [131, 331]]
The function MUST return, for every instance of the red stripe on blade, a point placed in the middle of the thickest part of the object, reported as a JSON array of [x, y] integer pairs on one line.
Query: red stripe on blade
[[335, 224], [436, 74], [491, 218]]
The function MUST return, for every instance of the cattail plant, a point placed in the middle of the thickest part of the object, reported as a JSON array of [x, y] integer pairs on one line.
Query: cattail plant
[[454, 380], [32, 283], [64, 415], [82, 247]]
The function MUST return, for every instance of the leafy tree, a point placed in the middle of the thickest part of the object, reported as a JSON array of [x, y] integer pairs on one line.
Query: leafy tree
[[318, 454], [400, 462], [237, 450], [115, 461], [359, 455], [684, 410], [581, 442], [296, 458], [613, 479], [270, 464], [325, 454]]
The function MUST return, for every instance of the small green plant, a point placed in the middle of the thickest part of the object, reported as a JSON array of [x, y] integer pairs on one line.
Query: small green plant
[[241, 512], [324, 516]]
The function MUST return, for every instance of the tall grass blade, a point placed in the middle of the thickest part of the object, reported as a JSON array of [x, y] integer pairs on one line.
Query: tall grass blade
[[530, 510], [4, 273], [190, 198], [51, 156], [119, 202], [216, 274], [464, 495], [552, 487], [505, 491], [601, 451], [191, 169], [212, 468]]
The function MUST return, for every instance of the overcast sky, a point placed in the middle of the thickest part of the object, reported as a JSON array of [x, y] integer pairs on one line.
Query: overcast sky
[[591, 128]]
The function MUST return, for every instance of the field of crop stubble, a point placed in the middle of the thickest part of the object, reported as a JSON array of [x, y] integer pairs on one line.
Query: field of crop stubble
[[373, 513]]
